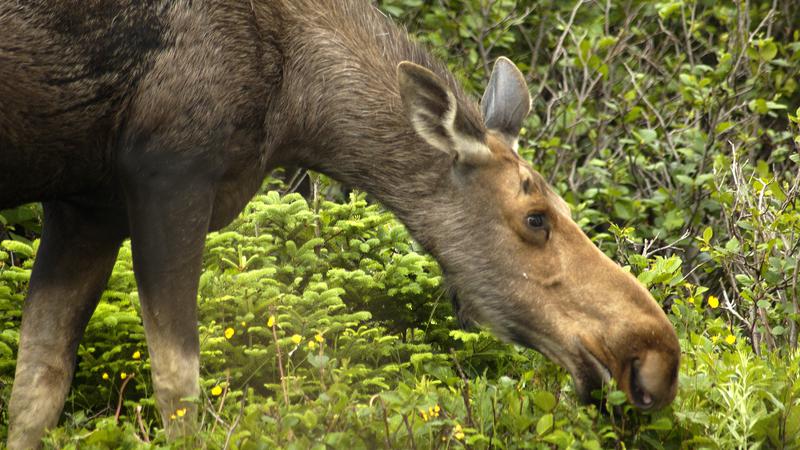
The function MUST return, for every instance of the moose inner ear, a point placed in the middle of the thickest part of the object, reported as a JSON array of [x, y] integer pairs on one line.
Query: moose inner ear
[[432, 110], [506, 102]]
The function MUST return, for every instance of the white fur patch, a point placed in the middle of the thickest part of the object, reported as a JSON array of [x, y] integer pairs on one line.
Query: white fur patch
[[467, 148]]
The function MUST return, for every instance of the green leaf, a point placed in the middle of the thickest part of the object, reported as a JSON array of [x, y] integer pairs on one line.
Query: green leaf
[[592, 444], [666, 10], [606, 42], [560, 438], [476, 438], [646, 136], [420, 357], [708, 233], [793, 420], [616, 398], [318, 361], [545, 424], [767, 50], [723, 127], [18, 247], [660, 424], [674, 219], [544, 400], [758, 105]]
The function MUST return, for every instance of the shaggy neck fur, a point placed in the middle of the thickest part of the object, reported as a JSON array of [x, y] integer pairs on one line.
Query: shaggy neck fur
[[340, 71]]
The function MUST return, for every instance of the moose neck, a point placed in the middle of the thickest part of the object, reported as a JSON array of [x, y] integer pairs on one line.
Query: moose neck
[[348, 121]]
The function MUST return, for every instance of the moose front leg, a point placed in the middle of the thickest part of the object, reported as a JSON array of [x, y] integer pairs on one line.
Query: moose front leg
[[75, 258], [168, 227]]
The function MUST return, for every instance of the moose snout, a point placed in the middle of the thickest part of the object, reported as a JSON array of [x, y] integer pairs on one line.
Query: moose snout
[[649, 379], [652, 379], [642, 351], [643, 362]]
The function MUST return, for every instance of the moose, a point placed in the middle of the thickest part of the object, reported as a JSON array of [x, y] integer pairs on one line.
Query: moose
[[157, 120]]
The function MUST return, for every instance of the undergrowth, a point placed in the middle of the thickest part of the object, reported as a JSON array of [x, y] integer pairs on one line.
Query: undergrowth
[[670, 127]]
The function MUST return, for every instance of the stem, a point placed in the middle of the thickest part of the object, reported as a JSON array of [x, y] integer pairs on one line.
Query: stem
[[465, 390], [280, 362], [119, 399], [145, 436], [410, 432]]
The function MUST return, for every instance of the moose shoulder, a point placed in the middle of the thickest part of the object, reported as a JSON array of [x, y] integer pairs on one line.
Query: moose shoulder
[[158, 120]]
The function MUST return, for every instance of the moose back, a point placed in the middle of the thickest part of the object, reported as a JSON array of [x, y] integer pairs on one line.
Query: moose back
[[157, 121]]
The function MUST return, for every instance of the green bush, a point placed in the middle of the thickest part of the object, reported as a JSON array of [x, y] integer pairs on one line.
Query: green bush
[[670, 127]]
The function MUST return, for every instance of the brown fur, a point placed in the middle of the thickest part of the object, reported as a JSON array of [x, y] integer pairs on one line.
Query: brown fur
[[158, 120]]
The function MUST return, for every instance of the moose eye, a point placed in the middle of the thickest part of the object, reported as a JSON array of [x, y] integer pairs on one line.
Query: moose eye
[[535, 221]]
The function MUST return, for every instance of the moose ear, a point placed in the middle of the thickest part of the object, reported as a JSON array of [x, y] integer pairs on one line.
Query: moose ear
[[506, 102], [432, 110]]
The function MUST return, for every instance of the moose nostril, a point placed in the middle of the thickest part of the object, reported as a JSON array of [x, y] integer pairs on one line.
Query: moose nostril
[[641, 396], [653, 380]]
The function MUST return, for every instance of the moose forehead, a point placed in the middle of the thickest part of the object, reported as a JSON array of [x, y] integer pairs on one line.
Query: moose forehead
[[528, 184]]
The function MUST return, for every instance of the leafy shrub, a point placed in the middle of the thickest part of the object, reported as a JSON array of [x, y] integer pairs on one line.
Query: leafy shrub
[[671, 127]]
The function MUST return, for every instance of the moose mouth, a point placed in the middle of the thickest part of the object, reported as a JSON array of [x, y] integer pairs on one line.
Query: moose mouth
[[589, 371], [593, 375], [601, 375], [601, 369]]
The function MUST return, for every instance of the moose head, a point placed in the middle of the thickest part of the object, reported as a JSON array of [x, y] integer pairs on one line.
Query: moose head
[[518, 262]]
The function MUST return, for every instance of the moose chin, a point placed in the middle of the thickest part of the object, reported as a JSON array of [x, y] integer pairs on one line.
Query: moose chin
[[157, 121]]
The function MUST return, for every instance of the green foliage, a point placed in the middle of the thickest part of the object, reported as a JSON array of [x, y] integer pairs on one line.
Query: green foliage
[[672, 129]]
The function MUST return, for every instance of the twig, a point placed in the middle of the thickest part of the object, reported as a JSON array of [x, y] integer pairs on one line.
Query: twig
[[793, 325], [385, 419], [646, 252], [145, 436], [465, 391], [235, 423], [119, 400], [731, 307], [280, 361], [222, 402], [654, 111], [560, 45], [410, 431]]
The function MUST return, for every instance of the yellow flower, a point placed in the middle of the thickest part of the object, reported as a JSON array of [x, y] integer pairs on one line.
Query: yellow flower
[[271, 321], [713, 302], [297, 338], [216, 391], [123, 375], [136, 355], [229, 332], [181, 412], [319, 338], [105, 376], [244, 324], [173, 417], [424, 416], [434, 411], [458, 432], [312, 345], [714, 338], [731, 339]]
